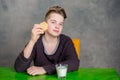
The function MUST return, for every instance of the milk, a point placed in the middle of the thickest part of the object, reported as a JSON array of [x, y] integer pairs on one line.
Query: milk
[[61, 70]]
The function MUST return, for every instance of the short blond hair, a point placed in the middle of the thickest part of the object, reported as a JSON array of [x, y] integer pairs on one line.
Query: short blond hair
[[56, 9]]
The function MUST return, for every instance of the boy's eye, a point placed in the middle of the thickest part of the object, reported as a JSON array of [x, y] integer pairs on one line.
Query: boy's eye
[[53, 22], [61, 24]]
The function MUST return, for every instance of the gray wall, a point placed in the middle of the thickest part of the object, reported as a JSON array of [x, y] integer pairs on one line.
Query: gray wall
[[95, 22]]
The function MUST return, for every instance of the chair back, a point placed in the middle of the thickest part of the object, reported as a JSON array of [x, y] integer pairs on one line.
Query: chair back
[[76, 43]]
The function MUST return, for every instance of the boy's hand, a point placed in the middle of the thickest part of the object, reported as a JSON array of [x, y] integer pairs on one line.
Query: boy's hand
[[34, 70]]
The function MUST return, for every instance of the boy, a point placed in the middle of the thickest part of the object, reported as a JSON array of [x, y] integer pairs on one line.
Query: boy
[[48, 47]]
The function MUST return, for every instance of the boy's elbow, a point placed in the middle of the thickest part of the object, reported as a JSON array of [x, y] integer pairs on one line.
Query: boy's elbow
[[18, 69], [77, 65]]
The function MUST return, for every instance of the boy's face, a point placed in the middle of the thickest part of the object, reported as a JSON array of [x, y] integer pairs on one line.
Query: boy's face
[[55, 24]]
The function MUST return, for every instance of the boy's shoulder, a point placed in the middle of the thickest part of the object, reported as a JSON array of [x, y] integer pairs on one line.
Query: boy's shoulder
[[64, 37]]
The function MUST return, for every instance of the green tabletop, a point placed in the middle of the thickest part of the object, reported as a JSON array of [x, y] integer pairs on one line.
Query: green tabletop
[[7, 73]]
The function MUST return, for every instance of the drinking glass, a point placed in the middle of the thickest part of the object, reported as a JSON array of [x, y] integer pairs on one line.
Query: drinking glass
[[61, 71]]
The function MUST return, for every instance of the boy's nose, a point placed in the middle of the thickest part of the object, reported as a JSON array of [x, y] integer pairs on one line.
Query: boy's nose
[[57, 26]]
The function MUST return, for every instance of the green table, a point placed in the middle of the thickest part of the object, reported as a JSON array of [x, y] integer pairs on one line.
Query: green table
[[7, 73]]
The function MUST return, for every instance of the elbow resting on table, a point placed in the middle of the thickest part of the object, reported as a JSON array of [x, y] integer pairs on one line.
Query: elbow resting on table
[[17, 69], [74, 66]]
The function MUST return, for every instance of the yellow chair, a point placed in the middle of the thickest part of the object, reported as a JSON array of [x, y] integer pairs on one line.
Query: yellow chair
[[76, 43]]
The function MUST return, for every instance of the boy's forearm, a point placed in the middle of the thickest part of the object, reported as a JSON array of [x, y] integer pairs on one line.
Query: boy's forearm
[[28, 49]]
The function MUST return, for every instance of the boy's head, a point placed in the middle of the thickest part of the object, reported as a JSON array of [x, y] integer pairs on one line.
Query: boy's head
[[56, 9]]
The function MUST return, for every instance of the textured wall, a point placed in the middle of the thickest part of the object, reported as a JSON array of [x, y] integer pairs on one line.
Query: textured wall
[[95, 22]]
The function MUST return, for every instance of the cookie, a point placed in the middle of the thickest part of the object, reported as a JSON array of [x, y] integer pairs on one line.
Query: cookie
[[44, 25]]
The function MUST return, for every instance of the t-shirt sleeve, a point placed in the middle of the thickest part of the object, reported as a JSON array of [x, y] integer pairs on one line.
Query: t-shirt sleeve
[[22, 63], [50, 69]]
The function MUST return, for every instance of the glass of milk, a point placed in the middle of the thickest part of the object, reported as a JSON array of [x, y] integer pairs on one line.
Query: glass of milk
[[61, 71]]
